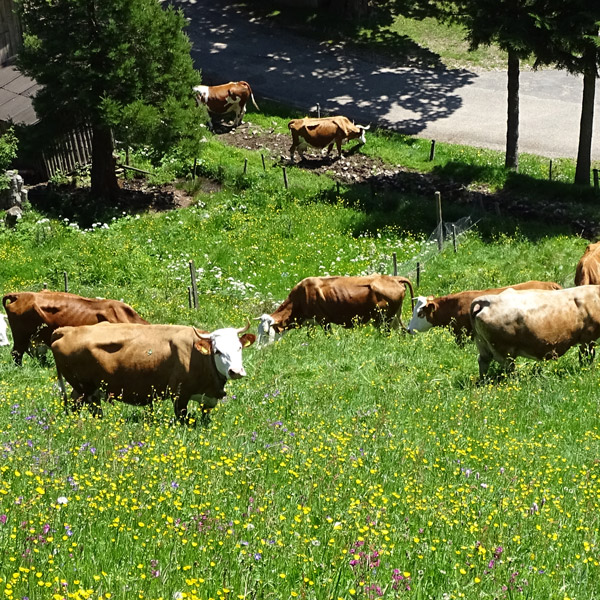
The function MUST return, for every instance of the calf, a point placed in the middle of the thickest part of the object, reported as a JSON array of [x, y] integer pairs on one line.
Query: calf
[[535, 324], [339, 300]]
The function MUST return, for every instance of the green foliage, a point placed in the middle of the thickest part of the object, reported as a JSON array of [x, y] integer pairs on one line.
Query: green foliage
[[124, 64], [8, 152]]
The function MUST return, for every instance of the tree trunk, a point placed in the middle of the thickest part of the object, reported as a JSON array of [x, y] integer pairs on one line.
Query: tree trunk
[[584, 150], [511, 160], [104, 177]]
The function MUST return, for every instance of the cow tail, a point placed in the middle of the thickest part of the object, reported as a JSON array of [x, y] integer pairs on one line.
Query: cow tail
[[251, 94], [407, 282], [8, 298], [477, 306]]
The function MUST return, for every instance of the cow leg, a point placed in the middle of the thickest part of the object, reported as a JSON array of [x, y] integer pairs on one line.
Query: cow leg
[[338, 145], [180, 406], [587, 353], [93, 402]]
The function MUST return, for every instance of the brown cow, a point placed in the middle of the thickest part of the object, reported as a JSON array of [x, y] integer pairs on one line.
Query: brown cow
[[33, 316], [226, 98], [588, 267], [453, 310], [537, 324], [136, 363], [323, 132], [339, 300]]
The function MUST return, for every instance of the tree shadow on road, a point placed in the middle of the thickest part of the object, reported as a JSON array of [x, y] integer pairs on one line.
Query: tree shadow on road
[[304, 72]]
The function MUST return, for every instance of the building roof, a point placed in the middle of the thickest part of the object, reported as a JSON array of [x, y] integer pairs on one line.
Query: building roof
[[16, 93]]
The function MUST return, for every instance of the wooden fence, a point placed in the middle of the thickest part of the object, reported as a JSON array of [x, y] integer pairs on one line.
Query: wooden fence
[[10, 31], [68, 152]]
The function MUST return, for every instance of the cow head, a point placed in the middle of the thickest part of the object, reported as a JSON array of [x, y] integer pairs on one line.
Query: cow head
[[226, 347], [268, 332], [361, 133], [201, 93], [3, 333], [424, 307]]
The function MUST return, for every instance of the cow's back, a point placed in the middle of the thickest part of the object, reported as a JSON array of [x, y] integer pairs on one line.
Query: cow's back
[[454, 309], [133, 360], [588, 267], [345, 300], [536, 323]]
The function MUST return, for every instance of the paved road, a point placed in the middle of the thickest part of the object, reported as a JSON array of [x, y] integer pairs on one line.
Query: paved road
[[458, 106]]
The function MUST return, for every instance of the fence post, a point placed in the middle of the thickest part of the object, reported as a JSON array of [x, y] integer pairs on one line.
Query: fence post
[[454, 237], [194, 287], [66, 280], [432, 151], [245, 165], [262, 156], [318, 111], [418, 273], [395, 262], [440, 233], [550, 171], [285, 179], [190, 299]]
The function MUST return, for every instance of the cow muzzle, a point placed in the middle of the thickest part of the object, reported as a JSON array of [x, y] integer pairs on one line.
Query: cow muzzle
[[236, 373]]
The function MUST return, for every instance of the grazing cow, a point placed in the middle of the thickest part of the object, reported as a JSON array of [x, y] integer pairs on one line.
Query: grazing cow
[[453, 310], [340, 300], [3, 333], [537, 324], [33, 316], [322, 133], [226, 98], [135, 364], [588, 267]]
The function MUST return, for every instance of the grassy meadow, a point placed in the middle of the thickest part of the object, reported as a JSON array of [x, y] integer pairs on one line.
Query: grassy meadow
[[355, 464]]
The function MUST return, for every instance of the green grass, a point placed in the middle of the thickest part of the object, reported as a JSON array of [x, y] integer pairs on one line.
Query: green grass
[[356, 464], [400, 39]]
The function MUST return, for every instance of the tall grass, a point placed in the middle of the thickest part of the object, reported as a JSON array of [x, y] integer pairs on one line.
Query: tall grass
[[358, 463]]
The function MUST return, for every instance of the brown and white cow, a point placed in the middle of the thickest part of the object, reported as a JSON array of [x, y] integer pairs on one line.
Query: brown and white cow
[[323, 132], [453, 310], [136, 363], [33, 316], [343, 301], [226, 98], [588, 267], [539, 324]]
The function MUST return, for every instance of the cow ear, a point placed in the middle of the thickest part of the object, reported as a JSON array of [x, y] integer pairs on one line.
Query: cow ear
[[247, 340], [203, 346]]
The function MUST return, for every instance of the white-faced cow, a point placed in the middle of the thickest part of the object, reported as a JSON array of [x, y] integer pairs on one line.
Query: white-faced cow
[[138, 363], [535, 324], [33, 316], [226, 98], [453, 310], [588, 267], [344, 301], [323, 133]]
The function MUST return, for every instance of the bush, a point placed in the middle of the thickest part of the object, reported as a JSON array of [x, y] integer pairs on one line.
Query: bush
[[8, 152]]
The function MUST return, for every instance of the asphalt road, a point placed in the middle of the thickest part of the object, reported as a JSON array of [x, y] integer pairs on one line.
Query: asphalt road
[[459, 106]]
